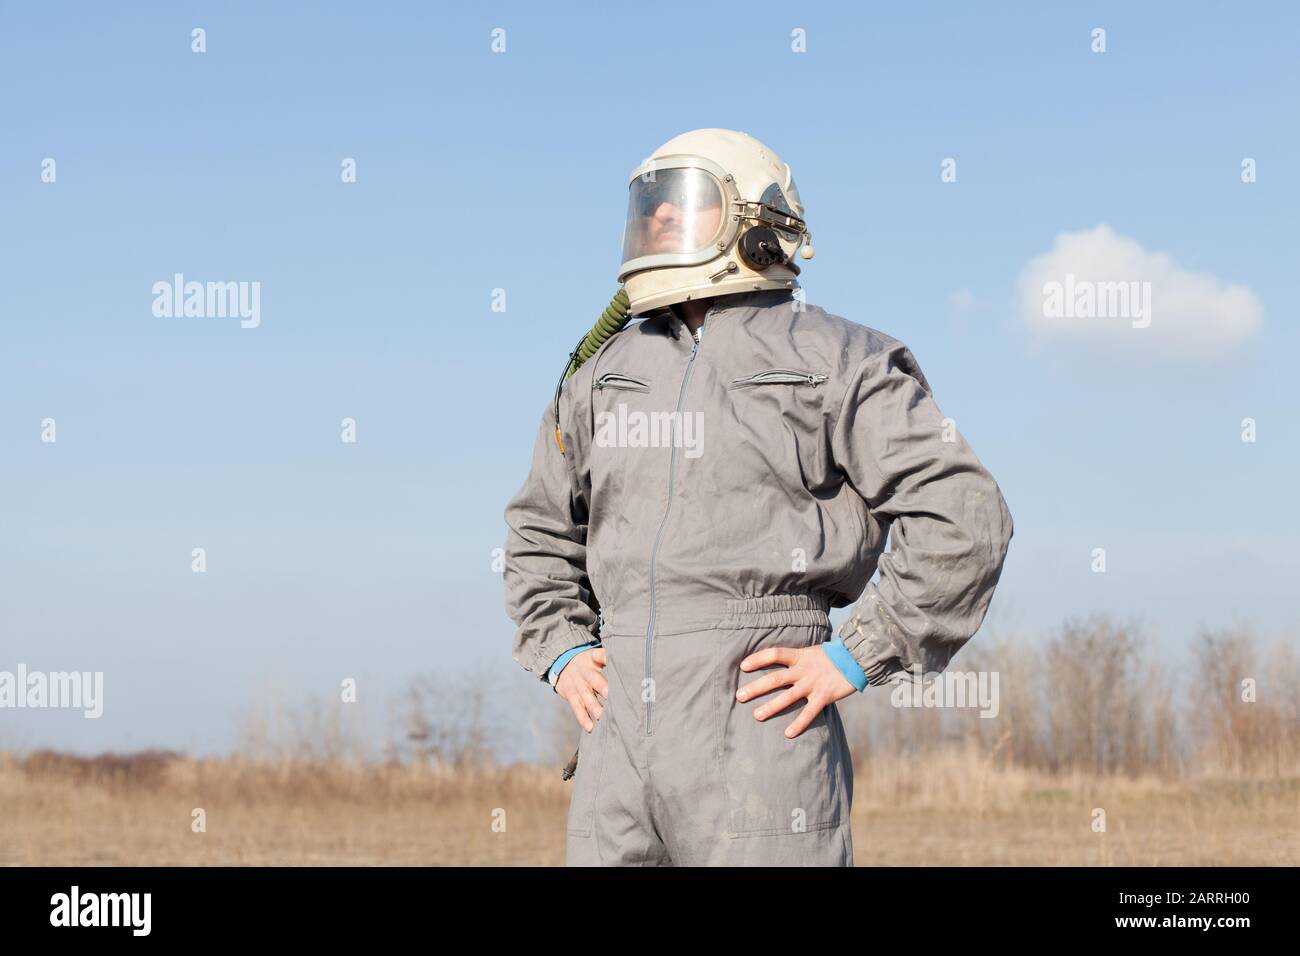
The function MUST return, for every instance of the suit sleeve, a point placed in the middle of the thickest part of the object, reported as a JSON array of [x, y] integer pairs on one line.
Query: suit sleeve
[[547, 591], [949, 524]]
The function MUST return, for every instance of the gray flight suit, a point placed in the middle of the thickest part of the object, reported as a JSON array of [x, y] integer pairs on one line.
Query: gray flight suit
[[718, 498]]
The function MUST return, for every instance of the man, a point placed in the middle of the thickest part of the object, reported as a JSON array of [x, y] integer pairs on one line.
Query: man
[[721, 474]]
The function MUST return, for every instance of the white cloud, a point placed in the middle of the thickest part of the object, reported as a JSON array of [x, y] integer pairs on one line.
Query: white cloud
[[1099, 289]]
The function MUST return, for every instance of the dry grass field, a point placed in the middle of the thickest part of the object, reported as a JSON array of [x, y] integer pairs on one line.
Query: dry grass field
[[946, 809], [1185, 763]]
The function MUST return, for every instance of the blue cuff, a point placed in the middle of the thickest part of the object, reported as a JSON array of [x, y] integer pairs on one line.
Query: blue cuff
[[841, 658], [553, 674]]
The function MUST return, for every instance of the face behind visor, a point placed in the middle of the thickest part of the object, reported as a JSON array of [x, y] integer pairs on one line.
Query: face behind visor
[[672, 215]]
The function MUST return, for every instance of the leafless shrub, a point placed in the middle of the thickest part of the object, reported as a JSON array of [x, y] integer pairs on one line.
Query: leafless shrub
[[318, 729], [145, 768], [447, 720], [1247, 718], [1095, 699]]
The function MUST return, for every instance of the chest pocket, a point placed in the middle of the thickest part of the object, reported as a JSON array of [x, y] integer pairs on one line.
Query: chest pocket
[[621, 380], [780, 376], [782, 411]]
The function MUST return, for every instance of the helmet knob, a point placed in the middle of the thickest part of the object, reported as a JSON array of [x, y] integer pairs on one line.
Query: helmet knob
[[760, 248]]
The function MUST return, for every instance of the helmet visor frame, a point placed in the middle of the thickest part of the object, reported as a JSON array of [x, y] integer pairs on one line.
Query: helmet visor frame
[[681, 212]]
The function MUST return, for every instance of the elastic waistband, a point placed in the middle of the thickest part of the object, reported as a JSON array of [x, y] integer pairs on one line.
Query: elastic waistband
[[678, 617], [769, 609]]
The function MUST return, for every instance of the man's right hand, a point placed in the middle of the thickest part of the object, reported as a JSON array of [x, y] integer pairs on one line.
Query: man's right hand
[[579, 683]]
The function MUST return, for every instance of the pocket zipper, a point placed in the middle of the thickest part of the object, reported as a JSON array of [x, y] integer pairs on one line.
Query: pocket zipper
[[781, 376], [619, 380]]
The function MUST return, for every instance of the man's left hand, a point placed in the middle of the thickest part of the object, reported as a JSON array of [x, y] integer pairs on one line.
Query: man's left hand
[[808, 672]]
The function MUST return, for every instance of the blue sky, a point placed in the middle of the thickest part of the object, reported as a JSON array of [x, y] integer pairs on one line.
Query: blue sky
[[478, 171]]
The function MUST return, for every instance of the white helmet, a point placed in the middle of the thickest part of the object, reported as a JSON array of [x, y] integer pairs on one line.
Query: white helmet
[[711, 212]]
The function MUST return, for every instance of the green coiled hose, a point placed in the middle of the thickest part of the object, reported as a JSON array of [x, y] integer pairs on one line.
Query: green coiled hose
[[611, 321]]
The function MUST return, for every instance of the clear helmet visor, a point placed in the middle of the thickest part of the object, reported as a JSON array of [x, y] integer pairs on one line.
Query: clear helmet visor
[[672, 212]]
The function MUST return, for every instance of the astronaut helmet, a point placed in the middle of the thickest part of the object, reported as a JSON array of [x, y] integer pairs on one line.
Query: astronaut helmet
[[710, 212]]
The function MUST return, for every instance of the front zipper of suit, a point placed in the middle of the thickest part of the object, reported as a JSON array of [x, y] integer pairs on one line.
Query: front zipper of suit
[[654, 551]]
